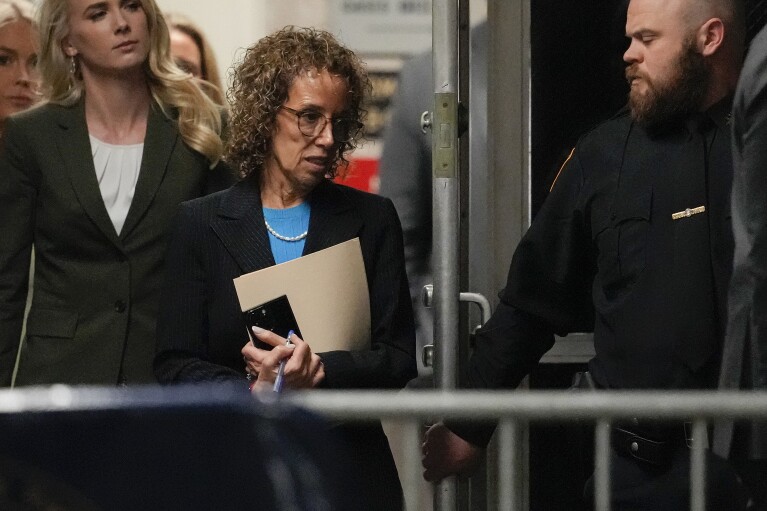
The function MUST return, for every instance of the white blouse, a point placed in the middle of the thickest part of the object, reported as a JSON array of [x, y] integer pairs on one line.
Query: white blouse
[[117, 170]]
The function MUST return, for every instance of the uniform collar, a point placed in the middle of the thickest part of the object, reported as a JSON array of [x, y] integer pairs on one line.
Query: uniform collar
[[721, 111]]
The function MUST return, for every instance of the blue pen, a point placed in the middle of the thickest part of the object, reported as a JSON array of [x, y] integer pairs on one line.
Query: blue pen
[[278, 382]]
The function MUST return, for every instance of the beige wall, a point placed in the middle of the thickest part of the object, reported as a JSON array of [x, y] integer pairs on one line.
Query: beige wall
[[234, 24], [231, 25]]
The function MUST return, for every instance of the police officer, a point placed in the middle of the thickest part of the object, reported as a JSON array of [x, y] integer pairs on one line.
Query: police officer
[[634, 242]]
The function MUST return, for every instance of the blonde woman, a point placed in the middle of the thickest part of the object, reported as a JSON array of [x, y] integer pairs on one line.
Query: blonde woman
[[92, 180], [19, 80]]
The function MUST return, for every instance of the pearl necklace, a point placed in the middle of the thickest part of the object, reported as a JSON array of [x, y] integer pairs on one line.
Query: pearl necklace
[[284, 238]]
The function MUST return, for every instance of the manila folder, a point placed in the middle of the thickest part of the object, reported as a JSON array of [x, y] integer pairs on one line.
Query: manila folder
[[328, 292]]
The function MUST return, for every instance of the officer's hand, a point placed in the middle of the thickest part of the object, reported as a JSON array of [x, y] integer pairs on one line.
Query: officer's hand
[[446, 454]]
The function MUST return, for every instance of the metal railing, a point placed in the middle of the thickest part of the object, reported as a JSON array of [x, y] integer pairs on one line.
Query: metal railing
[[514, 408], [410, 409]]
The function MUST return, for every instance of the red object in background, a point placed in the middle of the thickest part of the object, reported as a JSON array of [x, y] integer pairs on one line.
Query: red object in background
[[362, 174]]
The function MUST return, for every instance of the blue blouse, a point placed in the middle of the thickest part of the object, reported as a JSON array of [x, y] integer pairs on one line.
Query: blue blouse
[[289, 222]]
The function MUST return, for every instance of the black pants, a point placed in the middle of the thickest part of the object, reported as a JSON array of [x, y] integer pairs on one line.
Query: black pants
[[369, 468], [639, 486]]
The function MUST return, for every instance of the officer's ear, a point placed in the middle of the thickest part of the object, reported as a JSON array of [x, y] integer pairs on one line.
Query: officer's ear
[[710, 37]]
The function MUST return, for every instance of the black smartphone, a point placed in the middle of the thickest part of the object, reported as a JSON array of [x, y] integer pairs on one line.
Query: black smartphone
[[276, 316]]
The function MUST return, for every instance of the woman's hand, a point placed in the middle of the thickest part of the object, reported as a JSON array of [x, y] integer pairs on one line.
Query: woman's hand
[[303, 369], [255, 358], [268, 364]]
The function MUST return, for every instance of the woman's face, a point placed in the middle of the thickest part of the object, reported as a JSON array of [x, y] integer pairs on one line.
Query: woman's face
[[186, 53], [19, 79], [107, 36], [298, 160]]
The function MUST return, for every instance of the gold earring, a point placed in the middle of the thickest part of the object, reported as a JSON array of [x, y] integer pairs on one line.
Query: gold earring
[[72, 65]]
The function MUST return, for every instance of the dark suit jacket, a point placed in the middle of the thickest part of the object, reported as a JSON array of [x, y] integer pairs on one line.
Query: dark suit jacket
[[201, 330], [744, 361], [93, 313]]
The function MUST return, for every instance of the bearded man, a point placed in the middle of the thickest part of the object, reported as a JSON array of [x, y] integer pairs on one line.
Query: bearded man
[[635, 244]]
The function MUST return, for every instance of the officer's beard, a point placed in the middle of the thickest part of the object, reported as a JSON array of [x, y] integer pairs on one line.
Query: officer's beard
[[672, 98]]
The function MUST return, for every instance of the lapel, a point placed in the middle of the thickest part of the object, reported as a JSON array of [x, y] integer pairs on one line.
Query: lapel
[[75, 149], [239, 223], [159, 142]]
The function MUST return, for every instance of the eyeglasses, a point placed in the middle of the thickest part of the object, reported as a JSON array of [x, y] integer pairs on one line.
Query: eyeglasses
[[311, 123]]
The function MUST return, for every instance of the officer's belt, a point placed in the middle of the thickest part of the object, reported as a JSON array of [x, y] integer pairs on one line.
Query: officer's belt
[[647, 441], [656, 451]]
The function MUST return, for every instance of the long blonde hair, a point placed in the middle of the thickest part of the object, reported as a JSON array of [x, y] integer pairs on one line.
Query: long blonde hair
[[198, 119]]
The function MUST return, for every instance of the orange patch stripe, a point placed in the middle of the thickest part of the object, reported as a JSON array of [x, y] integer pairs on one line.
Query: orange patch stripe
[[569, 156]]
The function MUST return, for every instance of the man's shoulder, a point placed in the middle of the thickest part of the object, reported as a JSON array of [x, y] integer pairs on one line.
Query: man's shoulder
[[605, 142], [613, 130], [753, 79]]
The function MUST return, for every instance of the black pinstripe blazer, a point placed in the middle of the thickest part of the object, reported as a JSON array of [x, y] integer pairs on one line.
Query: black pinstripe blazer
[[201, 331], [222, 236]]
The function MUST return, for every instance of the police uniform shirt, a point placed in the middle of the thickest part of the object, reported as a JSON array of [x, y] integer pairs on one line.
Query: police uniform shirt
[[634, 242]]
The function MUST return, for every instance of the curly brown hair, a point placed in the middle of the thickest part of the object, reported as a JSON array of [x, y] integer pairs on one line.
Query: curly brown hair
[[260, 87]]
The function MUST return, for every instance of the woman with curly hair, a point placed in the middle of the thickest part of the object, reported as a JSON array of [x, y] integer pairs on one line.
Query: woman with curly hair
[[92, 179], [296, 115]]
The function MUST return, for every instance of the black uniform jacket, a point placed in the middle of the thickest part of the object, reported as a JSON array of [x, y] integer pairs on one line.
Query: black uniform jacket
[[96, 294], [605, 254]]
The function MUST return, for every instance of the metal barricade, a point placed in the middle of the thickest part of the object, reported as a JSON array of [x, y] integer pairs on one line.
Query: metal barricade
[[410, 409], [514, 408]]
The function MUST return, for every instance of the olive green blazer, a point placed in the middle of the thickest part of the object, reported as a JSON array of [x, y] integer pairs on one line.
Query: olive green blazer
[[96, 294]]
